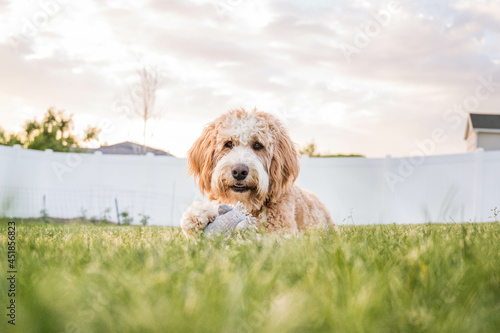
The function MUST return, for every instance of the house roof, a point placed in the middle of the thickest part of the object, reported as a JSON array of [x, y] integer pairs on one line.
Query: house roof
[[485, 121], [482, 122], [129, 148]]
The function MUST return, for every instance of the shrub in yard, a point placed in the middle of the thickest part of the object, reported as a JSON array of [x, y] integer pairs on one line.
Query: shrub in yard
[[126, 218], [144, 219]]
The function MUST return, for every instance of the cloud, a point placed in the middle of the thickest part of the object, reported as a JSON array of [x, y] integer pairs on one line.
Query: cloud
[[284, 57]]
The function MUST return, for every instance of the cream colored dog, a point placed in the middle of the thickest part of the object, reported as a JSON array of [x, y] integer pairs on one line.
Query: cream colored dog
[[248, 157]]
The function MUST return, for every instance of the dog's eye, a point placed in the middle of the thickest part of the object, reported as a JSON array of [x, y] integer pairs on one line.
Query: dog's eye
[[229, 144], [257, 146]]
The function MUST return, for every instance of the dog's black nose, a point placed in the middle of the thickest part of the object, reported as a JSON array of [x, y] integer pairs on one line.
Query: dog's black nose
[[239, 171]]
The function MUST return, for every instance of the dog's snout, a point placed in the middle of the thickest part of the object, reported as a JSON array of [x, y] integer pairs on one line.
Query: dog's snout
[[239, 171]]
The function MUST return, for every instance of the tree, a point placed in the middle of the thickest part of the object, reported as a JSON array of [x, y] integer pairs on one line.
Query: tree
[[91, 133], [142, 95], [311, 151], [9, 139], [54, 132]]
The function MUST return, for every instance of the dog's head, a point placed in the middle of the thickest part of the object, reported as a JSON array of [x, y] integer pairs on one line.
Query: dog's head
[[244, 156]]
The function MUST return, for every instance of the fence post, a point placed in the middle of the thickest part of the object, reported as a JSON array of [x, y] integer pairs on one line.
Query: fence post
[[477, 198], [44, 212], [173, 205], [385, 212], [96, 190], [149, 183], [117, 211], [47, 186]]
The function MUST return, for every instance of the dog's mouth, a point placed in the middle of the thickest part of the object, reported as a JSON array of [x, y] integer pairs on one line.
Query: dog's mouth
[[240, 188]]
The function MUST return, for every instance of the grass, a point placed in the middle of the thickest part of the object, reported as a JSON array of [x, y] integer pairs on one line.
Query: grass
[[413, 278]]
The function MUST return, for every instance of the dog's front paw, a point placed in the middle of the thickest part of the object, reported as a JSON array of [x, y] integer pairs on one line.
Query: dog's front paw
[[197, 216]]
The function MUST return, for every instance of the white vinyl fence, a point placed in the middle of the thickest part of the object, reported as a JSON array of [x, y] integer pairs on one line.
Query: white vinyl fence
[[447, 188]]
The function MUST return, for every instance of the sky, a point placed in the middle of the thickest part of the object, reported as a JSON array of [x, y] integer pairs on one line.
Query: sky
[[355, 77]]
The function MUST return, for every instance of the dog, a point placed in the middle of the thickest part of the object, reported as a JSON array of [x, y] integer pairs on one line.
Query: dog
[[248, 157]]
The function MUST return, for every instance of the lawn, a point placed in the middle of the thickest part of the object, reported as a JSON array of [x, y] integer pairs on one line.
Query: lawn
[[390, 278]]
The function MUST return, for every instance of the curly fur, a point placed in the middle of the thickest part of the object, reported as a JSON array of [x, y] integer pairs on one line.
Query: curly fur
[[273, 166]]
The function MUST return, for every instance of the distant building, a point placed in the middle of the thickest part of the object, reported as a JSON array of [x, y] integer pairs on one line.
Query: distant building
[[483, 131], [129, 148]]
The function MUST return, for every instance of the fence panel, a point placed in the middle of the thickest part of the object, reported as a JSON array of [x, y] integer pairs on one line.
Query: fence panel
[[446, 188]]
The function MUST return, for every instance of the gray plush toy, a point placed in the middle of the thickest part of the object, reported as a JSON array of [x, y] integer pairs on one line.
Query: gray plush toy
[[231, 220]]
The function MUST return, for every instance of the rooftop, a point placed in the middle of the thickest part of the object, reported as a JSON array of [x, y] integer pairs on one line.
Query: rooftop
[[485, 121], [129, 148]]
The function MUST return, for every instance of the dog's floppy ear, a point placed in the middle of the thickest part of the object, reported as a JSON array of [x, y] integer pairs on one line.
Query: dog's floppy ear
[[285, 165], [201, 161]]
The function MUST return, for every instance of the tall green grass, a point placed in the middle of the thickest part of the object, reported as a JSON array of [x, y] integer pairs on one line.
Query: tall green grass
[[413, 278]]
